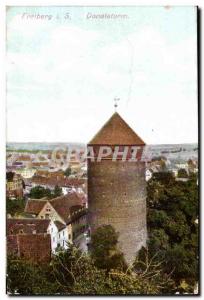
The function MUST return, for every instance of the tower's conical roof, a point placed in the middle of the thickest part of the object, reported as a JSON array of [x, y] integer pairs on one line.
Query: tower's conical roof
[[116, 132]]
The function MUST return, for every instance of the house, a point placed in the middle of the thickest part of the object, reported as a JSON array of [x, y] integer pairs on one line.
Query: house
[[60, 235], [192, 166], [68, 185], [26, 226], [40, 164], [34, 247], [11, 158], [50, 173], [148, 175], [26, 172], [68, 216], [29, 238], [25, 160], [14, 185], [182, 166]]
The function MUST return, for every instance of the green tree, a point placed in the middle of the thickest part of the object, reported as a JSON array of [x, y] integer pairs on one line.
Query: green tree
[[182, 173], [57, 191], [67, 172], [15, 207], [74, 273], [26, 278], [39, 192], [172, 230], [104, 249]]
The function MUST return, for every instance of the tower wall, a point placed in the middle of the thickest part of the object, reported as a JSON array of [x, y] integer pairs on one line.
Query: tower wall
[[117, 196]]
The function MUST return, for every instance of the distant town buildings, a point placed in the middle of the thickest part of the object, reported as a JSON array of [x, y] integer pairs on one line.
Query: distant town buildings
[[14, 185], [26, 172]]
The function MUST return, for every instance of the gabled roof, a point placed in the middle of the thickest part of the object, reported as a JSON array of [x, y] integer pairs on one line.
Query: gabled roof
[[34, 206], [63, 205], [116, 132], [27, 226], [59, 225]]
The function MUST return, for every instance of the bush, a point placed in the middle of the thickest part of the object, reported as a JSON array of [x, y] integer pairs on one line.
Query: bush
[[104, 249]]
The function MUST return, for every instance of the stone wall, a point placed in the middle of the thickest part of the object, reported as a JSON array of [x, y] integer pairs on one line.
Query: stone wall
[[117, 196]]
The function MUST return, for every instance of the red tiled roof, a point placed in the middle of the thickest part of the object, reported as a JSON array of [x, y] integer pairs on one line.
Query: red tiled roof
[[59, 225], [40, 163], [34, 206], [24, 158], [53, 181], [116, 132], [27, 226], [12, 245], [34, 247], [63, 204]]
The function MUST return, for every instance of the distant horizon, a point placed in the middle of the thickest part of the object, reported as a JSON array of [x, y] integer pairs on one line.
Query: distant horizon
[[190, 143]]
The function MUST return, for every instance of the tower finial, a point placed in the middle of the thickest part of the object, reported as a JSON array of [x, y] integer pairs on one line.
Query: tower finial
[[116, 105]]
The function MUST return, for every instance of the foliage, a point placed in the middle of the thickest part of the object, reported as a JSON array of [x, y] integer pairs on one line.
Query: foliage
[[67, 172], [74, 273], [182, 173], [26, 278], [173, 232], [39, 192], [27, 150], [151, 268], [15, 207], [57, 191], [104, 249]]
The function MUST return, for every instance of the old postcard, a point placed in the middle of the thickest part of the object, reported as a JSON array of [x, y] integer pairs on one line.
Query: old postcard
[[102, 166]]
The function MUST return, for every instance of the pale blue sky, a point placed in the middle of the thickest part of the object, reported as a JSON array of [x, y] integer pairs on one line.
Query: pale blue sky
[[63, 74]]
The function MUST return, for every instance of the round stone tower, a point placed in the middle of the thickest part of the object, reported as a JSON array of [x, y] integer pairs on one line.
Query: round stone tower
[[117, 186]]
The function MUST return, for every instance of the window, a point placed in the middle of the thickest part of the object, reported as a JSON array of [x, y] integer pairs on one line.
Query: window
[[53, 239], [59, 235], [63, 233], [69, 236]]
